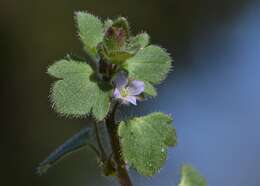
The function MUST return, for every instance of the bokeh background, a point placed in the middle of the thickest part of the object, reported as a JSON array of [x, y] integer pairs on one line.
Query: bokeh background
[[213, 91]]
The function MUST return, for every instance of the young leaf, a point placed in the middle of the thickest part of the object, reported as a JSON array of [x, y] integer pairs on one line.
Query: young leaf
[[119, 56], [122, 22], [149, 64], [191, 177], [74, 143], [107, 24], [145, 141], [78, 92], [139, 42], [149, 89], [90, 31]]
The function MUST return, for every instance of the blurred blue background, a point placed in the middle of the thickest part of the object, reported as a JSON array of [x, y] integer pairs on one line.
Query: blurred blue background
[[213, 91]]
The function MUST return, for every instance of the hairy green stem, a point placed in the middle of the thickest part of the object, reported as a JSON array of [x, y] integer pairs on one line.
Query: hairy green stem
[[121, 170]]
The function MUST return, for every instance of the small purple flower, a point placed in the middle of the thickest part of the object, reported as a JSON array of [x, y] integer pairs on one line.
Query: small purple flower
[[127, 91]]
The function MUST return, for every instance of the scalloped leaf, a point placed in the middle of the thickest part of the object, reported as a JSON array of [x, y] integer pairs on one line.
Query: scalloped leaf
[[78, 93], [145, 141], [191, 177], [149, 64], [76, 142], [91, 31]]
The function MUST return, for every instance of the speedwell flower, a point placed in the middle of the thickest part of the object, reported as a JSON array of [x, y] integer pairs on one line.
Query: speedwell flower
[[127, 91]]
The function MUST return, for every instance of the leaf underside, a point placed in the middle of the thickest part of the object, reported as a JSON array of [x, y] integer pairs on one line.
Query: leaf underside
[[74, 143], [145, 141]]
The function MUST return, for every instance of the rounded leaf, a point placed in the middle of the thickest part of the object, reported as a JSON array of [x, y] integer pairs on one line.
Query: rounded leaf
[[149, 64], [145, 141]]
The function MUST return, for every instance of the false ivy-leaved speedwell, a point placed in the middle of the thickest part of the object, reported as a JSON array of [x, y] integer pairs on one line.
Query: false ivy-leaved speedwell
[[121, 69]]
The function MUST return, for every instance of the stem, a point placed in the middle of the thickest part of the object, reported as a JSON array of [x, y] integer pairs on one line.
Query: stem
[[103, 155], [121, 170]]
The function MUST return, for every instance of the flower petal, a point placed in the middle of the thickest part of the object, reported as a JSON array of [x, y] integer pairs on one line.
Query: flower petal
[[116, 93], [121, 80], [131, 99], [135, 87]]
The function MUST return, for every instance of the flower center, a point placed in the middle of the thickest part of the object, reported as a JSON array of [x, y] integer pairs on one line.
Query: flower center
[[124, 92]]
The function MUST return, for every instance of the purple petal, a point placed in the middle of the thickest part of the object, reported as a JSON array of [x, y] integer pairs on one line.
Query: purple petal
[[116, 93], [135, 88], [121, 80], [131, 99]]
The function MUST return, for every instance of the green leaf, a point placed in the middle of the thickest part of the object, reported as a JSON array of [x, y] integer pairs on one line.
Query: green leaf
[[122, 22], [90, 31], [76, 142], [67, 68], [119, 57], [191, 177], [150, 64], [145, 141], [78, 92], [114, 56], [149, 89], [139, 42], [107, 24]]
